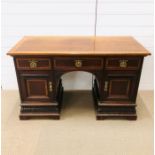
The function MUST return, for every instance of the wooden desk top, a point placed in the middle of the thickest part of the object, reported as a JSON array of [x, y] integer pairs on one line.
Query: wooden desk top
[[71, 45]]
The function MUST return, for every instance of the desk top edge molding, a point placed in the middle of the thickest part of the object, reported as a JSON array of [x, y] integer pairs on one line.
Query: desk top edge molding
[[78, 45]]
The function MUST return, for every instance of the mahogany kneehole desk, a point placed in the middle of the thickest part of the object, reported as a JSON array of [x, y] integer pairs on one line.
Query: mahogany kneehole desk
[[116, 63]]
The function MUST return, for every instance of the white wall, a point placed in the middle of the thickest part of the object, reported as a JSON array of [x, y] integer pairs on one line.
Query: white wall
[[75, 17]]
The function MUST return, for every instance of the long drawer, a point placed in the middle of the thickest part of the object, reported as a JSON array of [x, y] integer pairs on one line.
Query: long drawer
[[74, 63]]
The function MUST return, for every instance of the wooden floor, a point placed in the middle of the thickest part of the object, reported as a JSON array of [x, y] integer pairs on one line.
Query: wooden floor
[[77, 133]]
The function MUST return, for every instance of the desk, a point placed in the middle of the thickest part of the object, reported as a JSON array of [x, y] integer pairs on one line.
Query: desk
[[115, 62]]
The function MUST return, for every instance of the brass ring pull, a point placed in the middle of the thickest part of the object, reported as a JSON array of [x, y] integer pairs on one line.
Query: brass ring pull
[[78, 63], [123, 63], [33, 63]]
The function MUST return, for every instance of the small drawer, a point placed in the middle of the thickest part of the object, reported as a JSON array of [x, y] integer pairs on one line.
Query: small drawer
[[33, 63], [123, 63], [78, 63]]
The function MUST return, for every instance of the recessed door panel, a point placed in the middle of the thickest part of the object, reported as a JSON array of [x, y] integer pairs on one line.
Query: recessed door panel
[[36, 87], [117, 87]]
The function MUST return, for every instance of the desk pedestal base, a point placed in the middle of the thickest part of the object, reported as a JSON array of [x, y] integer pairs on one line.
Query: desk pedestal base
[[112, 110], [43, 110]]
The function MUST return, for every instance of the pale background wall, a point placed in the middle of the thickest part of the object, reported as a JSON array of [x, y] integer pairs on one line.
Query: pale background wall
[[76, 17]]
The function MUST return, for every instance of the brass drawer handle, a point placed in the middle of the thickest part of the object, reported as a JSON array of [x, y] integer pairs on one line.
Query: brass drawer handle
[[33, 63], [123, 63], [78, 63], [106, 86], [50, 86]]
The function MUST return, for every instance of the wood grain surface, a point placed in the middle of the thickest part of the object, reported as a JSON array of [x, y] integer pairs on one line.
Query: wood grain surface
[[78, 45]]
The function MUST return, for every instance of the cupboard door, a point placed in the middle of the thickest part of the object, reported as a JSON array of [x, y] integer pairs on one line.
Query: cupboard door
[[36, 87], [119, 87]]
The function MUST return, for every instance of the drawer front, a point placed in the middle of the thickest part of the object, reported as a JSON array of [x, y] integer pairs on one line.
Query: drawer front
[[78, 63], [123, 63], [33, 63]]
